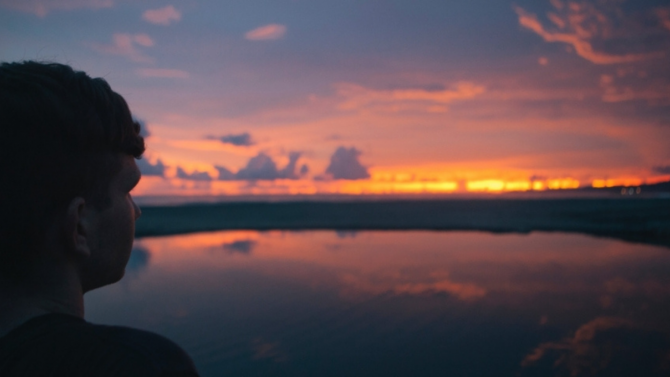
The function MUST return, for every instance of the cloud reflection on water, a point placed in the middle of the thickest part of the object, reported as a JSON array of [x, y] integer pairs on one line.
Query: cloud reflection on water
[[539, 303], [607, 346]]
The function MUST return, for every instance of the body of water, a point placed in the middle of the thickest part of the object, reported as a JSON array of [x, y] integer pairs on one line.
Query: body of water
[[326, 303]]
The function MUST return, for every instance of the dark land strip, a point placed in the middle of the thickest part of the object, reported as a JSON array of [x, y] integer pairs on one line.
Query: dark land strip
[[643, 220]]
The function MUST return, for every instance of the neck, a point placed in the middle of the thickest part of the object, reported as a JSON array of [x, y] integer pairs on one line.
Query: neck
[[53, 291]]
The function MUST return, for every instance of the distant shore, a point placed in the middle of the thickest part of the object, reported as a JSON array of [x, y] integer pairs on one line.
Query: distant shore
[[643, 220]]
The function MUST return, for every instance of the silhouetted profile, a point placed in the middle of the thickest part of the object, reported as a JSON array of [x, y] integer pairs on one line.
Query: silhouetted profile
[[68, 145]]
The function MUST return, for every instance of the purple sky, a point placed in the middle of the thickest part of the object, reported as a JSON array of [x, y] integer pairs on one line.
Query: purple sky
[[298, 96]]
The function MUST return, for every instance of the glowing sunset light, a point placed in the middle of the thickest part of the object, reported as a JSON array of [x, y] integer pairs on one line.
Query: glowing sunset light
[[518, 186], [600, 183], [565, 183], [487, 185], [326, 98]]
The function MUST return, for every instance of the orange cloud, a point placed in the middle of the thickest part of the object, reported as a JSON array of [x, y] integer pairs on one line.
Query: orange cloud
[[577, 39], [267, 32], [356, 97]]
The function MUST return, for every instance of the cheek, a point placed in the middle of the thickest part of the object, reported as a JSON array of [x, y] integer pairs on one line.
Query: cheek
[[120, 229], [126, 219]]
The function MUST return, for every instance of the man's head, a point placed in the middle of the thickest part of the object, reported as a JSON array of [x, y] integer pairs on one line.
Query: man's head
[[67, 149]]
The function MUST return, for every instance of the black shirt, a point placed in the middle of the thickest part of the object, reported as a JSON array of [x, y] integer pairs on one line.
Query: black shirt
[[63, 345]]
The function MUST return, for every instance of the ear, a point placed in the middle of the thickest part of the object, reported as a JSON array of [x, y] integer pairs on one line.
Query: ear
[[77, 225]]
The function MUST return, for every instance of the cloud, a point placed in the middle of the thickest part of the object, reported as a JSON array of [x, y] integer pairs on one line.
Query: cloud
[[344, 164], [162, 73], [268, 351], [263, 168], [288, 172], [460, 290], [162, 16], [663, 15], [224, 173], [612, 92], [240, 246], [581, 23], [662, 169], [148, 169], [240, 140], [558, 4], [600, 347], [127, 45], [267, 32], [41, 8], [260, 167], [201, 176], [357, 97], [143, 40], [404, 283]]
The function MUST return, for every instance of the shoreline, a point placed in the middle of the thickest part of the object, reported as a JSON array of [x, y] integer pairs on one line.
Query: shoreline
[[640, 220]]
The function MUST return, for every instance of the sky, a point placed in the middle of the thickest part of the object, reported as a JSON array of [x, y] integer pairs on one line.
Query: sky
[[247, 97]]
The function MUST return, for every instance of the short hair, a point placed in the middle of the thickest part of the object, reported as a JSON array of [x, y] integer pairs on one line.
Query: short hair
[[60, 133]]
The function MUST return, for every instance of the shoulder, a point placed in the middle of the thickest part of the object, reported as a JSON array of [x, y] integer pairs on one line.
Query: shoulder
[[139, 349], [68, 346]]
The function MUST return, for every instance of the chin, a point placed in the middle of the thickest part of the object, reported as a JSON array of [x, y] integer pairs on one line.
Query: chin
[[101, 281]]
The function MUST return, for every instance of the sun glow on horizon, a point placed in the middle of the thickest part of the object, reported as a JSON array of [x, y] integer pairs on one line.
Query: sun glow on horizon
[[378, 185]]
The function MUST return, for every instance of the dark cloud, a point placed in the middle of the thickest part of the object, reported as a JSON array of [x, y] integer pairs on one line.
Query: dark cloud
[[195, 176], [662, 169], [240, 246], [304, 169], [224, 173], [263, 168], [148, 169], [288, 172], [344, 164], [240, 140], [260, 167]]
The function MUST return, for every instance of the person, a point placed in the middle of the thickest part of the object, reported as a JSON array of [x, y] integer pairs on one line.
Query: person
[[68, 145]]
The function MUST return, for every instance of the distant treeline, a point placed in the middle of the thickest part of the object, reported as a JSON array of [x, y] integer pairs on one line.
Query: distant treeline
[[663, 187], [637, 219]]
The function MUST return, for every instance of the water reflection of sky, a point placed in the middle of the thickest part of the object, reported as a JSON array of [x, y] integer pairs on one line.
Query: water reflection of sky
[[399, 303]]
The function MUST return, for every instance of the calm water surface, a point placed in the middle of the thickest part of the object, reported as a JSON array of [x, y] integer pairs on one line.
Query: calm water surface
[[329, 303]]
